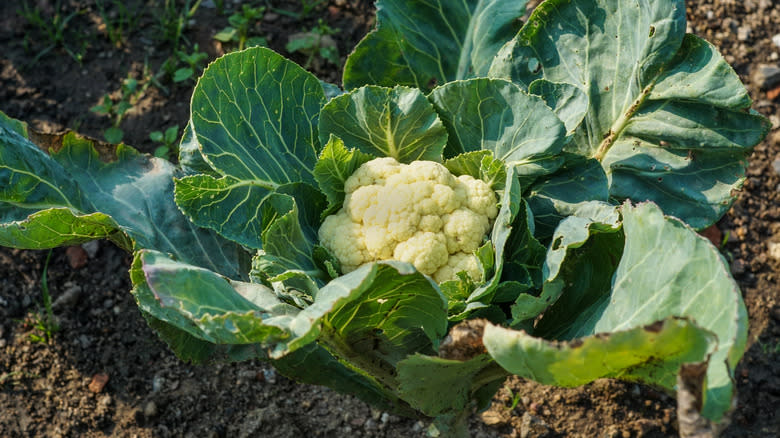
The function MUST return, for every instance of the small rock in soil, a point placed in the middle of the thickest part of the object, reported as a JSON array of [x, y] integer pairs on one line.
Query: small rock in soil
[[766, 75], [98, 382], [774, 250], [743, 33], [776, 40], [533, 427], [150, 409], [738, 267], [91, 248], [776, 165], [68, 298], [77, 257]]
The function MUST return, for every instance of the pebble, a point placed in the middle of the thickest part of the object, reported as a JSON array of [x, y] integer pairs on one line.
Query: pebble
[[157, 383], [150, 409], [68, 298], [776, 40], [533, 427], [269, 375], [98, 382], [91, 248], [766, 75], [776, 165], [743, 33], [774, 250], [77, 257]]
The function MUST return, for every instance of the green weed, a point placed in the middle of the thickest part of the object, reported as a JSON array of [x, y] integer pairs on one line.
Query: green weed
[[44, 323], [120, 24], [241, 25], [51, 30], [131, 92], [316, 43], [167, 142]]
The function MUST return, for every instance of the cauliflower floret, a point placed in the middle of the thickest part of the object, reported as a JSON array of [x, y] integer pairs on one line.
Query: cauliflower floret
[[460, 261], [375, 171], [345, 239], [465, 230], [418, 213], [480, 198], [425, 250]]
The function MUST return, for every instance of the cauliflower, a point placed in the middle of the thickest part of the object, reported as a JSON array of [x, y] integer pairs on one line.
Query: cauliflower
[[418, 213]]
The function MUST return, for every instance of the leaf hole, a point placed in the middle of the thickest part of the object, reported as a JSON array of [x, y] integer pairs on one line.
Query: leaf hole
[[557, 243], [652, 31]]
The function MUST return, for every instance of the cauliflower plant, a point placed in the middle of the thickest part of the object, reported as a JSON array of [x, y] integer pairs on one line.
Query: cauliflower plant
[[418, 213]]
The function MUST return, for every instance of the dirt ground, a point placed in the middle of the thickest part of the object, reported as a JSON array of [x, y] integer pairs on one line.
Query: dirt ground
[[105, 373]]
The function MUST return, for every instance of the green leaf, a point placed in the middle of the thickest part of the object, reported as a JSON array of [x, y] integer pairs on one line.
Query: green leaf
[[54, 227], [314, 365], [666, 270], [567, 101], [210, 306], [254, 115], [182, 74], [284, 239], [479, 164], [421, 44], [226, 205], [335, 165], [581, 261], [84, 190], [190, 158], [503, 227], [652, 353], [493, 114], [113, 135], [386, 122], [421, 376], [667, 117], [575, 186], [376, 316]]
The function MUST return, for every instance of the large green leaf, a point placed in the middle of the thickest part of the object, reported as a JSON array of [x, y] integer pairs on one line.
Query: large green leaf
[[496, 115], [424, 43], [386, 122], [375, 317], [667, 117], [420, 376], [666, 270], [254, 115], [575, 186], [227, 205], [84, 190], [581, 260], [288, 245], [207, 305], [651, 353], [253, 129]]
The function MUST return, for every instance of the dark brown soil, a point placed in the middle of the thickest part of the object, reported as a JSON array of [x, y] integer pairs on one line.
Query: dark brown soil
[[58, 388]]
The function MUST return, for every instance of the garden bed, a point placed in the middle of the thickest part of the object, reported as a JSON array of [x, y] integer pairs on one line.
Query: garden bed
[[105, 373]]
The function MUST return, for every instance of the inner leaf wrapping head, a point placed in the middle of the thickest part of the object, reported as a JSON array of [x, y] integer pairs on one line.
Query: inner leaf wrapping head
[[418, 213]]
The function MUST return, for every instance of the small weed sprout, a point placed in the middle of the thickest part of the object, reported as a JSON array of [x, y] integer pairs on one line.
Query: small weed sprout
[[131, 92], [241, 23], [315, 43], [194, 64], [53, 30], [173, 20], [44, 321], [167, 141], [119, 22]]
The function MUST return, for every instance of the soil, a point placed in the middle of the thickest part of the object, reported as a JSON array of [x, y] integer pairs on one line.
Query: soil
[[105, 373]]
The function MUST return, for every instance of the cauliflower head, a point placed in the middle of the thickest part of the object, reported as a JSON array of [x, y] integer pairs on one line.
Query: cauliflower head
[[418, 213]]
